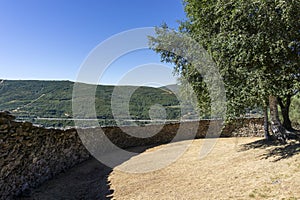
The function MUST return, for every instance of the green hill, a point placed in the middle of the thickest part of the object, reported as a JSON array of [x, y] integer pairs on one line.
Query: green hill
[[295, 109], [36, 100], [49, 103]]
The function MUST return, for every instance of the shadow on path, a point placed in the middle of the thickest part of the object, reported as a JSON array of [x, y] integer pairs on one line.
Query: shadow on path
[[274, 149], [88, 180]]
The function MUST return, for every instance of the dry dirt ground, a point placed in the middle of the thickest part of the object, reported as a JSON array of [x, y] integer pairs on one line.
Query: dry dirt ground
[[236, 168], [87, 180]]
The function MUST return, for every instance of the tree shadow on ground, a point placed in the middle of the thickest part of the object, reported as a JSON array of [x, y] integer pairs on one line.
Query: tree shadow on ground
[[274, 148], [88, 180]]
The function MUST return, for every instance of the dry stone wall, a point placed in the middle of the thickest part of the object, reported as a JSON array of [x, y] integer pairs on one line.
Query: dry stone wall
[[252, 127], [30, 155]]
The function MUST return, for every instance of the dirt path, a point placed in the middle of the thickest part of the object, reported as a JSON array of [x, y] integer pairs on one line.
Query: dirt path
[[88, 180], [233, 170], [237, 168]]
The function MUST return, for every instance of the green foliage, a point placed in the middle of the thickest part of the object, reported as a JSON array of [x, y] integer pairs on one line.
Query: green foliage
[[35, 100], [255, 44], [295, 109]]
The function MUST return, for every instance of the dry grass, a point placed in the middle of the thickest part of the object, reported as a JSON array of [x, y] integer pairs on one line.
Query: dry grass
[[237, 168]]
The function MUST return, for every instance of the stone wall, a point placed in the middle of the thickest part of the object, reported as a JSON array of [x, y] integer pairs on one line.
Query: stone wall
[[30, 155], [143, 135]]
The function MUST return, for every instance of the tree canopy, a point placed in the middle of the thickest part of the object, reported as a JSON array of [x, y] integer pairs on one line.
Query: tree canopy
[[255, 44]]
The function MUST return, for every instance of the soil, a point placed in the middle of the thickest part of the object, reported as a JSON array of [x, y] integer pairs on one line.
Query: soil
[[236, 168], [87, 180]]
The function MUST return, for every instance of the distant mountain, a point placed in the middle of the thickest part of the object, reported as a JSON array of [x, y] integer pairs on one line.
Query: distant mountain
[[173, 87], [34, 101]]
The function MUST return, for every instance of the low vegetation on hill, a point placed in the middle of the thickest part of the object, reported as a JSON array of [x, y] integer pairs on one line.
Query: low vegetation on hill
[[36, 100]]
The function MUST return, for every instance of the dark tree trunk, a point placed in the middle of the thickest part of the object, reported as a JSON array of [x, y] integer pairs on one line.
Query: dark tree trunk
[[266, 123], [285, 109], [277, 129]]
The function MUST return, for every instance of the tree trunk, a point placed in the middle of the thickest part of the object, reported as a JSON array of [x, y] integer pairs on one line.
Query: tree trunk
[[266, 123], [285, 109], [277, 129]]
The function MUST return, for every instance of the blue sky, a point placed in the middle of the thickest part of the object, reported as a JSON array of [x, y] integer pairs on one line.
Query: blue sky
[[50, 39]]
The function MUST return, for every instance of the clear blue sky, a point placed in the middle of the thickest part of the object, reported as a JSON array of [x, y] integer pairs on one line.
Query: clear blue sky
[[49, 39]]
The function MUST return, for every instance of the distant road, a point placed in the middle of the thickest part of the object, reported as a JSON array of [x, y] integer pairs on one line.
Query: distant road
[[15, 110]]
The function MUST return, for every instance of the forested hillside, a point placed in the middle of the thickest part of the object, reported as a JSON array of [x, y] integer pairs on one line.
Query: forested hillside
[[295, 109], [36, 100]]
